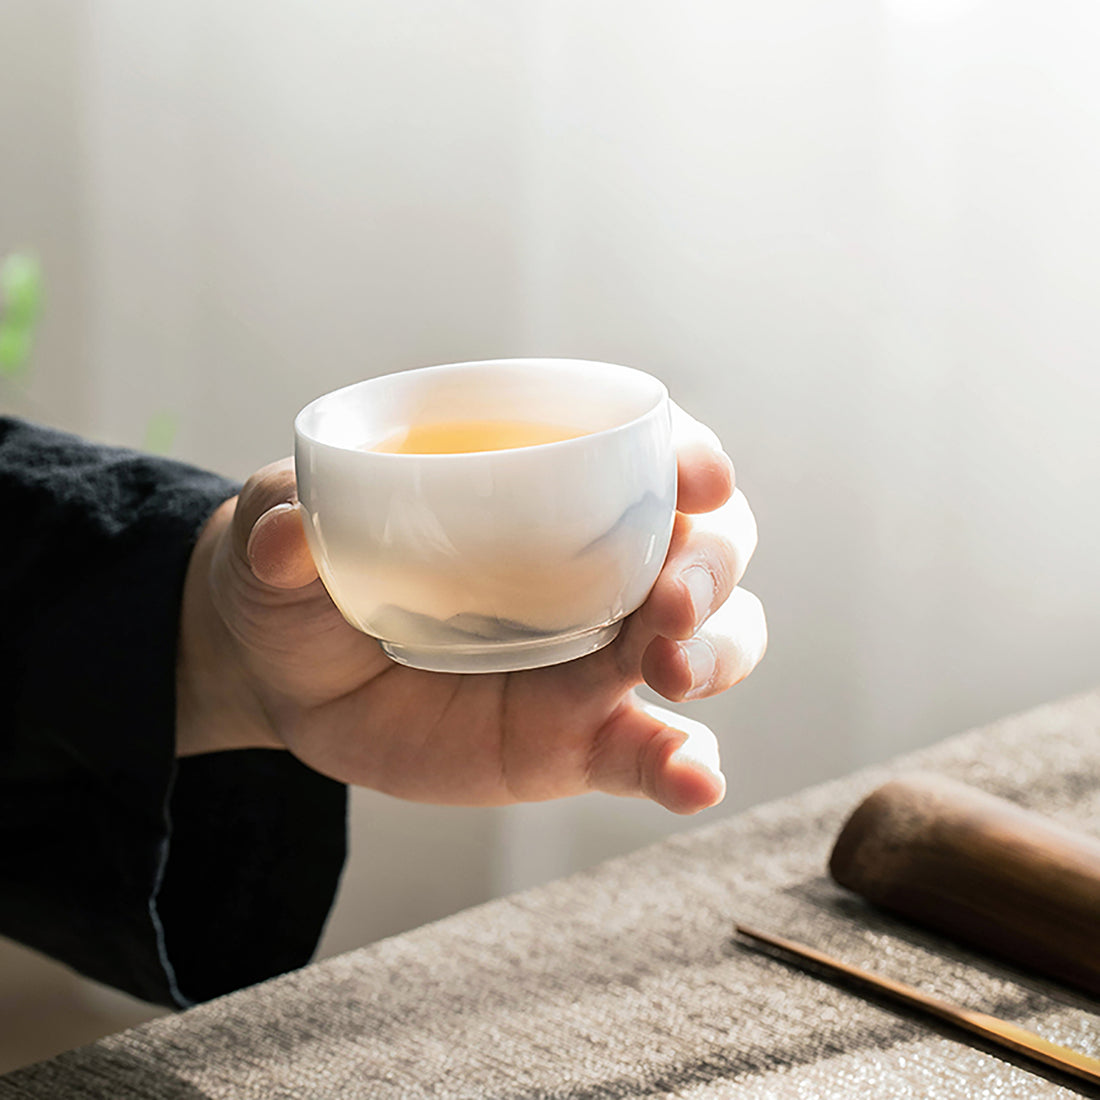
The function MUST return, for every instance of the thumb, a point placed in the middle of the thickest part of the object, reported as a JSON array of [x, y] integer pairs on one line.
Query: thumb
[[268, 535]]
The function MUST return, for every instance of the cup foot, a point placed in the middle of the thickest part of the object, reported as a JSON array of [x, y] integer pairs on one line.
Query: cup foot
[[503, 656]]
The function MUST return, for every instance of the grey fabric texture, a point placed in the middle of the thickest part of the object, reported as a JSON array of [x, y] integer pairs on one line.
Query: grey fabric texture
[[626, 980]]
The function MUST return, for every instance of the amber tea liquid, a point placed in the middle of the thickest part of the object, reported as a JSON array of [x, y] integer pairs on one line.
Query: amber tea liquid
[[450, 437]]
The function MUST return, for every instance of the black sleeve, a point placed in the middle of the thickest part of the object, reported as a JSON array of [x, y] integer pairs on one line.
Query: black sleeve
[[173, 880]]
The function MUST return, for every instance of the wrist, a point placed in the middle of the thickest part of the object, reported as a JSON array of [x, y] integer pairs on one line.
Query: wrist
[[216, 706]]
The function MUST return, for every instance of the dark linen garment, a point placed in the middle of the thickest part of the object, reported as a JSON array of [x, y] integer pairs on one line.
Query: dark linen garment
[[176, 881]]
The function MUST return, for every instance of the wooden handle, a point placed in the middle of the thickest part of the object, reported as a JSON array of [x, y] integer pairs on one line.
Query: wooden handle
[[1001, 1033], [980, 870]]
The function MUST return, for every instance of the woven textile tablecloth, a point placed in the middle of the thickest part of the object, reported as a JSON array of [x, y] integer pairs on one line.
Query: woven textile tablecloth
[[626, 981]]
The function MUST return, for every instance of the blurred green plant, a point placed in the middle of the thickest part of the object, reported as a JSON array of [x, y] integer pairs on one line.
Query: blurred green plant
[[160, 432], [20, 304]]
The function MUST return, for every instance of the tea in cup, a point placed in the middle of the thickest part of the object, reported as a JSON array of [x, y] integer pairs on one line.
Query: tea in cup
[[489, 516]]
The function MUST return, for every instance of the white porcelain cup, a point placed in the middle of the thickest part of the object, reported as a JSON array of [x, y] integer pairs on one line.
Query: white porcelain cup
[[490, 561]]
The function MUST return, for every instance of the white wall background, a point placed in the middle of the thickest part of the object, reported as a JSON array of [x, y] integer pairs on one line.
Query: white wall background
[[860, 239]]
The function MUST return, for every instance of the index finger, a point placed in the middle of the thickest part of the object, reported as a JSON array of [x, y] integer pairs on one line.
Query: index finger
[[705, 472]]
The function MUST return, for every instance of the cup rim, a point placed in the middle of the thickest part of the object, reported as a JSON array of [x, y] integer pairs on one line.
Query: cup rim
[[660, 398]]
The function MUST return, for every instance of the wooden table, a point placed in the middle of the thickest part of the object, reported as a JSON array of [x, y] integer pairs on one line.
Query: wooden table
[[625, 981]]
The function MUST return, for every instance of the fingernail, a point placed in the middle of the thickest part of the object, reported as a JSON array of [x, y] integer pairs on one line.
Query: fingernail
[[702, 662], [700, 587], [705, 762], [277, 510]]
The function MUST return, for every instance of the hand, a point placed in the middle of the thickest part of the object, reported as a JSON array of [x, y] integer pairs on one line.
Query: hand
[[267, 660]]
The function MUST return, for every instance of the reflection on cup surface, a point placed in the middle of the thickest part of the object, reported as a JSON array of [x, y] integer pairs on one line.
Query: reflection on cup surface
[[491, 559]]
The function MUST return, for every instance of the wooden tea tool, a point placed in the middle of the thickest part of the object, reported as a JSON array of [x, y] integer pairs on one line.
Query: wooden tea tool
[[980, 870], [998, 1032]]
